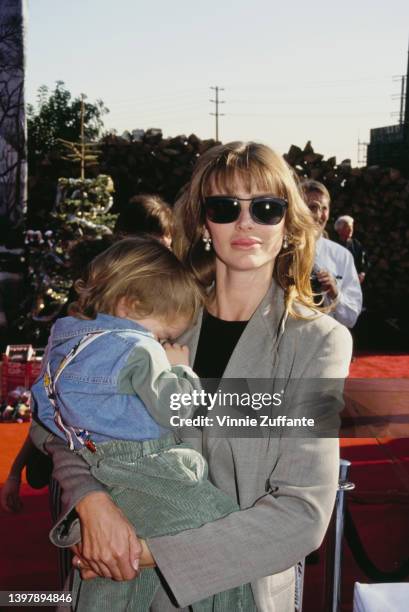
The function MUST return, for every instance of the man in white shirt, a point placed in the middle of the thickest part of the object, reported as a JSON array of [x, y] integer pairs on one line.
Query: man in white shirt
[[334, 267]]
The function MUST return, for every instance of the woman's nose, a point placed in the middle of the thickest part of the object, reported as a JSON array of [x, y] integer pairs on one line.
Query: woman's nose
[[245, 220]]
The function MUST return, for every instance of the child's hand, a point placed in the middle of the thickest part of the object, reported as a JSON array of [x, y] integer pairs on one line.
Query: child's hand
[[177, 355], [10, 496]]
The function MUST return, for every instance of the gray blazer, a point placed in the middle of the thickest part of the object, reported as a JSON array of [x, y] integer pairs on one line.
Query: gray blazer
[[286, 487]]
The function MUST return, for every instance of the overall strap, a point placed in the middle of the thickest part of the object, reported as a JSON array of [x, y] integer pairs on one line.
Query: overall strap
[[80, 435]]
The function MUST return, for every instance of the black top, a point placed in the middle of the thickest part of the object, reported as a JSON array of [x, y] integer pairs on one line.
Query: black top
[[216, 343]]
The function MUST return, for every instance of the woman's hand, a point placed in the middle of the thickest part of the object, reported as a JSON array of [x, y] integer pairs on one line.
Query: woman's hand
[[79, 563], [110, 547], [146, 561], [10, 495]]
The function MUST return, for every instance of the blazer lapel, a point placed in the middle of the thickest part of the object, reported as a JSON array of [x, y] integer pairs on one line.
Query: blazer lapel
[[255, 354]]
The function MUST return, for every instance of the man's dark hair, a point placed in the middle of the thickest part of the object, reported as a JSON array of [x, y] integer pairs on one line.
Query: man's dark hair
[[145, 214]]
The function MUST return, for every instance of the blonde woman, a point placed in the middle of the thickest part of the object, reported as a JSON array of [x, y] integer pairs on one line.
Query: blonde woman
[[244, 230]]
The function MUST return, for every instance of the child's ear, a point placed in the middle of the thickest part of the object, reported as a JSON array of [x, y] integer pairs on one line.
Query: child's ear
[[122, 308]]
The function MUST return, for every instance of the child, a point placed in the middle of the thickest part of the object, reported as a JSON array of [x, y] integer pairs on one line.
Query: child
[[105, 388]]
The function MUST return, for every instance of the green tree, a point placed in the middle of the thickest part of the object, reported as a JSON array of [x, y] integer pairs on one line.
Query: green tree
[[57, 115]]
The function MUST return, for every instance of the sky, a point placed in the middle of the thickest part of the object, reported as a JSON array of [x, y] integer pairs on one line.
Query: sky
[[291, 72]]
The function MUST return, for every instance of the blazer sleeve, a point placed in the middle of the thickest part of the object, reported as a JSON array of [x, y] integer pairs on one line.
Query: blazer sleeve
[[282, 527], [76, 481]]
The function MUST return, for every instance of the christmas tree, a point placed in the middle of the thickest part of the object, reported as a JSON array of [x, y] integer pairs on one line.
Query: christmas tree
[[81, 217]]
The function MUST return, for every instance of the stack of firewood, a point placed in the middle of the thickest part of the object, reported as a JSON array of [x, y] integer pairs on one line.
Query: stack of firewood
[[378, 200], [150, 163]]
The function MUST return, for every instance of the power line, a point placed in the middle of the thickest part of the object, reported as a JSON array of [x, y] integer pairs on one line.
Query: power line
[[292, 100], [159, 99], [360, 114], [308, 84], [169, 110], [217, 114]]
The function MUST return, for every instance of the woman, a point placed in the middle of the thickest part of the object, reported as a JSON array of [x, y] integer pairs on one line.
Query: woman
[[243, 228]]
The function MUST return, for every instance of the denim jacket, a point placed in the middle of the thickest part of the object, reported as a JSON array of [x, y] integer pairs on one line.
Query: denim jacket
[[118, 387]]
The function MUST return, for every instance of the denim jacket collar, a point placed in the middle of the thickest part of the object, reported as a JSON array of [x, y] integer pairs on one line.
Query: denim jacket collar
[[70, 327]]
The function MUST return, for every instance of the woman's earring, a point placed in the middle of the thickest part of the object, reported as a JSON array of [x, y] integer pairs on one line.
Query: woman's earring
[[207, 243], [285, 241]]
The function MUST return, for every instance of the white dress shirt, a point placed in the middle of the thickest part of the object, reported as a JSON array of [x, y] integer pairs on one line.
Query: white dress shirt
[[337, 260]]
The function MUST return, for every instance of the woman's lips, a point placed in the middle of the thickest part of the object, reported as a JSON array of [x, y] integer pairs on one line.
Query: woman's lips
[[245, 243]]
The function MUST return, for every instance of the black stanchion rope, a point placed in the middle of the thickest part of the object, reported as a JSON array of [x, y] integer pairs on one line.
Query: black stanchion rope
[[362, 559]]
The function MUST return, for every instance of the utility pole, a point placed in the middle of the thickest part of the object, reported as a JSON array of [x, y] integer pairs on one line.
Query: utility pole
[[216, 102], [401, 98], [82, 151], [82, 139], [362, 152], [406, 113]]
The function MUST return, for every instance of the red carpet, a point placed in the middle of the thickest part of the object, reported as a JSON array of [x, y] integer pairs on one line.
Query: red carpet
[[379, 505], [380, 366], [27, 558]]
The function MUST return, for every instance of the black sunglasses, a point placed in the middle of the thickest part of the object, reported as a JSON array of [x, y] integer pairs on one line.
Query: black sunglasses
[[267, 210]]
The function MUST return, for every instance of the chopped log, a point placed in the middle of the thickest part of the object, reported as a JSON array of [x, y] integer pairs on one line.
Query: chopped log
[[377, 198]]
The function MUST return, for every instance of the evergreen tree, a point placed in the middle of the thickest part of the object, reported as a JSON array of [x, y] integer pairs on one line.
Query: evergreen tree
[[81, 217], [58, 116]]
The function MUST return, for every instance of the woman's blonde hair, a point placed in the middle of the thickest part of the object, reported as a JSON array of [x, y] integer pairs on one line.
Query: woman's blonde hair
[[258, 168], [144, 272]]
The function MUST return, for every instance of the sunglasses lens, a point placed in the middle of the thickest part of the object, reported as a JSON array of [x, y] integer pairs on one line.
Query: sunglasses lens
[[264, 210], [222, 210], [268, 211]]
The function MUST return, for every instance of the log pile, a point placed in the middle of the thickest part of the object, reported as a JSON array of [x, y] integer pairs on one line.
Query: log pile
[[145, 162], [378, 199]]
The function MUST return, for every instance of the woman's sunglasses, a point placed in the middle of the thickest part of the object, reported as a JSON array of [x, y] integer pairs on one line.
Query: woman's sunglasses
[[267, 210]]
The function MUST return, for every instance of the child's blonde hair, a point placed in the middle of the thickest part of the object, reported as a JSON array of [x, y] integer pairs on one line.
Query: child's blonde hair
[[146, 274]]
